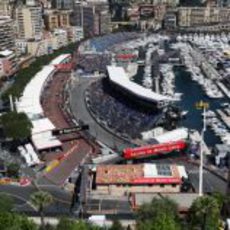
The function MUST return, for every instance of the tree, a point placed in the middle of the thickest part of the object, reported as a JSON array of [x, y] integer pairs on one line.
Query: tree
[[69, 224], [6, 203], [16, 126], [160, 214], [65, 223], [40, 200], [204, 214], [163, 221], [148, 211], [12, 221], [13, 170], [116, 225], [223, 202]]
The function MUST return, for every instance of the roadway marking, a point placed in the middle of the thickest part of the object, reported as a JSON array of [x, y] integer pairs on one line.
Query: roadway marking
[[20, 198]]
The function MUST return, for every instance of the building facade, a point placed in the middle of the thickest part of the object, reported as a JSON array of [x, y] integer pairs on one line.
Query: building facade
[[29, 22], [62, 4], [94, 17], [118, 180], [55, 19], [7, 34], [5, 8], [199, 16], [8, 65], [170, 20]]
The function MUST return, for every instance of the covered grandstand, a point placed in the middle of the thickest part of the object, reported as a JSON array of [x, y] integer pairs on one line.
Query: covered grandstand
[[118, 113], [118, 76], [30, 104]]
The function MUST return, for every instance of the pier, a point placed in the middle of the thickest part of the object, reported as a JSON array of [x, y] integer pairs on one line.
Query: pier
[[224, 117], [195, 136], [224, 89]]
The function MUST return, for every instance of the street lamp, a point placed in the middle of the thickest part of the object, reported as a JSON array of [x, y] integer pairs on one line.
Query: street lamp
[[201, 105]]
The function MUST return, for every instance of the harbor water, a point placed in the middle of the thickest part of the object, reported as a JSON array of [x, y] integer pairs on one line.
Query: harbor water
[[192, 93]]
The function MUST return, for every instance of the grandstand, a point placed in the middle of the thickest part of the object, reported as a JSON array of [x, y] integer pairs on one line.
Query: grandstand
[[94, 54], [118, 76], [30, 104], [118, 113], [101, 44]]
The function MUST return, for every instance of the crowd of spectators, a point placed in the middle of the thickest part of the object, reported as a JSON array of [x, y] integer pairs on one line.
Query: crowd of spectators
[[101, 44], [90, 63], [94, 54], [118, 113]]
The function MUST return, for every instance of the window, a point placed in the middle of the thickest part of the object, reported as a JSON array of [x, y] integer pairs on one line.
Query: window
[[164, 170]]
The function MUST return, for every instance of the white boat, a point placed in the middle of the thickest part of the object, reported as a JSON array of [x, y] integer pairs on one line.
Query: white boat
[[147, 82]]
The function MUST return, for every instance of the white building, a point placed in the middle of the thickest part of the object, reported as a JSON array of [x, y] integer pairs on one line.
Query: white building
[[60, 37], [29, 22]]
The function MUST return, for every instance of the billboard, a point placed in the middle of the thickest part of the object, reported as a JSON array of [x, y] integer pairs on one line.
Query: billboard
[[156, 149]]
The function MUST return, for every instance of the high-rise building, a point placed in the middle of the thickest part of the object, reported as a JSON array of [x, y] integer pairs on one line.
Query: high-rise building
[[8, 63], [104, 23], [83, 16], [197, 16], [29, 22], [62, 4], [56, 18], [93, 16], [7, 35], [5, 8]]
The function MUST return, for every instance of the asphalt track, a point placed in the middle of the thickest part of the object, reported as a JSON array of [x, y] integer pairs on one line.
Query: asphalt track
[[21, 197], [80, 111]]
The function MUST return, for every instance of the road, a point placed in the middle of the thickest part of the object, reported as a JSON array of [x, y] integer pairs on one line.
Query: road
[[21, 196], [80, 111]]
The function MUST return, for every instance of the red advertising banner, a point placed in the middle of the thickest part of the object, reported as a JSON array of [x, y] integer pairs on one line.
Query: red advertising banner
[[130, 153], [157, 180]]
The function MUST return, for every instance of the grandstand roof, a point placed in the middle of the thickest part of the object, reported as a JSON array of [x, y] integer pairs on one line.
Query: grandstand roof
[[139, 174], [60, 59], [174, 135], [29, 103], [42, 125], [45, 140], [118, 76]]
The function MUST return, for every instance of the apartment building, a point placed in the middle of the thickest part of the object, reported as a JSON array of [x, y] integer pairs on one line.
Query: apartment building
[[170, 20], [93, 16], [8, 63], [198, 16], [5, 8], [62, 4], [29, 22], [7, 35], [54, 19], [75, 33]]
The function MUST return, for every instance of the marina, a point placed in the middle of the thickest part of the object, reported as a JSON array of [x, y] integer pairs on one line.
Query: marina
[[189, 82]]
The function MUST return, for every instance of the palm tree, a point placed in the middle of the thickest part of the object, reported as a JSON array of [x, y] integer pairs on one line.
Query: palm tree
[[40, 200], [204, 213]]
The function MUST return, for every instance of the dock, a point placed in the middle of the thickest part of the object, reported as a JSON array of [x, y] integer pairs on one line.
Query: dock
[[224, 89], [195, 136], [224, 117]]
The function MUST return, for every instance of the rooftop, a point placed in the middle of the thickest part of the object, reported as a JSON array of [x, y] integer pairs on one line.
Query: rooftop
[[139, 174], [118, 76]]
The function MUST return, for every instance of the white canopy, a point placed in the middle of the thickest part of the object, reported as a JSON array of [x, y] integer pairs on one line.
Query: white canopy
[[175, 135], [118, 76], [45, 140], [42, 125], [30, 104]]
